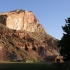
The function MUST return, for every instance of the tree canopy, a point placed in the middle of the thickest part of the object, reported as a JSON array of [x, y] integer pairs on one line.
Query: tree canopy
[[64, 43]]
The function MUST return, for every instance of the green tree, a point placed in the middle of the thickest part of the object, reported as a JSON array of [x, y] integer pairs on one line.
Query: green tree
[[64, 43]]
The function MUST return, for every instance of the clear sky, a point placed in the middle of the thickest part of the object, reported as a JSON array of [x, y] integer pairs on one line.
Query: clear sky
[[51, 13]]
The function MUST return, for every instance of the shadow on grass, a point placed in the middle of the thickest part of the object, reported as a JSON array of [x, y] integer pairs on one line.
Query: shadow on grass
[[28, 66]]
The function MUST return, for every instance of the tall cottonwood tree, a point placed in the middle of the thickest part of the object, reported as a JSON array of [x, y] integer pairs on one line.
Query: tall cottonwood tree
[[64, 43]]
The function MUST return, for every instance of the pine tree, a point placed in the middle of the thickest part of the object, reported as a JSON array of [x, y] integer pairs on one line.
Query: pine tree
[[64, 43]]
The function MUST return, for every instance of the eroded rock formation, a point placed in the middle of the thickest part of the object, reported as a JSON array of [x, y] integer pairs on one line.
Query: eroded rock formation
[[23, 38], [21, 20]]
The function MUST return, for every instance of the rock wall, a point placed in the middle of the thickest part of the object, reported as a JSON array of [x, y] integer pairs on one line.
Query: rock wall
[[21, 20], [20, 31]]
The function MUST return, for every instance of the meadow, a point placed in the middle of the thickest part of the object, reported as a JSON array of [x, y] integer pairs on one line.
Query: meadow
[[29, 66]]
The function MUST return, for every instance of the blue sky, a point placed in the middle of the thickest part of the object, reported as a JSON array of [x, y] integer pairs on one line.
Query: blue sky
[[51, 13]]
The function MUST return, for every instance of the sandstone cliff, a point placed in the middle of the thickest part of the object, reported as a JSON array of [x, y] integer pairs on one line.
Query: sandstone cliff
[[22, 37], [21, 20]]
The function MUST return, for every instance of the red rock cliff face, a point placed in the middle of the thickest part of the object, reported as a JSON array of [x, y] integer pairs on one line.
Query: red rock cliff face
[[21, 20], [23, 37]]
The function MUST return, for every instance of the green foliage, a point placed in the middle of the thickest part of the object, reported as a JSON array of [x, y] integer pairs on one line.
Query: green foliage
[[64, 43]]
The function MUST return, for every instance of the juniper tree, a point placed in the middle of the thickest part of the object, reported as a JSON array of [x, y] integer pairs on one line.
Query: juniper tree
[[64, 43]]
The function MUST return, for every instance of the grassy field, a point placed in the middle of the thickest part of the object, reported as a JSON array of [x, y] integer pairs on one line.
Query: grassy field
[[29, 66]]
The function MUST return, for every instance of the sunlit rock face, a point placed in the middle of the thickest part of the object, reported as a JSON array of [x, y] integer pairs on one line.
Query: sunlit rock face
[[14, 22], [23, 37], [21, 20]]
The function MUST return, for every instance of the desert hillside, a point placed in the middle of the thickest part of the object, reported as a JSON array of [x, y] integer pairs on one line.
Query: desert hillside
[[23, 38]]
